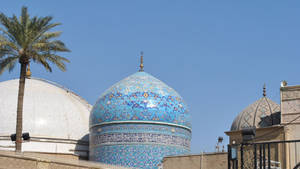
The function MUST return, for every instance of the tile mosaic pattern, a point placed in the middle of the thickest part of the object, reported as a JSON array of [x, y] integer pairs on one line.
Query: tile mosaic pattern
[[142, 128], [115, 141], [262, 113], [121, 138], [142, 156], [140, 133], [137, 122], [140, 97]]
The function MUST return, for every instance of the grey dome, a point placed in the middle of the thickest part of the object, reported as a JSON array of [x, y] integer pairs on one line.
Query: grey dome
[[262, 113]]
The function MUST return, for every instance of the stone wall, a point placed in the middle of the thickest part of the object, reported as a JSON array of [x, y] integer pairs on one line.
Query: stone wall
[[290, 118], [290, 110], [11, 160], [202, 161]]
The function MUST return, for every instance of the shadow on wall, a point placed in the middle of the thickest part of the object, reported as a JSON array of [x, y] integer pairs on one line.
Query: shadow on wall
[[270, 120], [82, 148]]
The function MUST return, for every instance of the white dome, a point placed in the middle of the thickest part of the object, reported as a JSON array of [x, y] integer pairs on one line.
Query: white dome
[[50, 112]]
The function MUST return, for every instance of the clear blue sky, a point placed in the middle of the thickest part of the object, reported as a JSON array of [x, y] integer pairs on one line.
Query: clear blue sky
[[216, 54]]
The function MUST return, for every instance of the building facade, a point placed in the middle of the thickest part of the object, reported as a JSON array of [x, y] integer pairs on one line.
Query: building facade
[[277, 140]]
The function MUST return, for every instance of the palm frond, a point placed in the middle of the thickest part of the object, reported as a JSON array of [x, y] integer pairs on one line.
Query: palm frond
[[53, 46], [50, 35], [12, 28], [7, 47], [43, 61], [7, 35], [30, 38], [55, 59], [58, 61], [7, 63], [5, 43], [4, 20], [44, 29], [7, 52]]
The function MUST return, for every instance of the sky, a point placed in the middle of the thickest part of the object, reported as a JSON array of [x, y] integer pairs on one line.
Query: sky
[[216, 54]]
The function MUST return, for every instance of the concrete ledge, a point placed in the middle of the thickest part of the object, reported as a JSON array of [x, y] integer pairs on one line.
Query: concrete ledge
[[12, 160]]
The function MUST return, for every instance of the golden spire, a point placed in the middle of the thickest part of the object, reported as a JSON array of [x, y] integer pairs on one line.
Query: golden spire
[[142, 62], [28, 72], [264, 91]]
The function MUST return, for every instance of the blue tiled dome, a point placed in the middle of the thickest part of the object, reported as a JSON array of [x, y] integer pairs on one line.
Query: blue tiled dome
[[137, 122], [141, 97]]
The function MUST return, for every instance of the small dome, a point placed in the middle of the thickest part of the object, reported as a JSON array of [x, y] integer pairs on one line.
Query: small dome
[[140, 97], [262, 113], [55, 117]]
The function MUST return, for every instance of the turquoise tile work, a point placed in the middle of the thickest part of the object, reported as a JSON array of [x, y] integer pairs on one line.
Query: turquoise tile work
[[140, 97], [140, 156], [137, 122]]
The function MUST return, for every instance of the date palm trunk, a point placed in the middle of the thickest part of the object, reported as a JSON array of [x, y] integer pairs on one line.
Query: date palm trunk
[[19, 125]]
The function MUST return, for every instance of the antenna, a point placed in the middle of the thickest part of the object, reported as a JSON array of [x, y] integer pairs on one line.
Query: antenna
[[264, 91], [142, 62]]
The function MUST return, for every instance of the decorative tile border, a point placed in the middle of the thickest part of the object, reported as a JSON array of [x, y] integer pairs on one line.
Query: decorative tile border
[[137, 138], [141, 128]]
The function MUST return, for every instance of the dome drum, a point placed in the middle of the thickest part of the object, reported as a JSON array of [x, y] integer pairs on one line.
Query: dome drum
[[140, 133], [146, 143], [143, 156]]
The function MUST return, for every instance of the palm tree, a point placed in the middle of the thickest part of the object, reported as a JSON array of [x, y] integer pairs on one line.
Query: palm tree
[[26, 39]]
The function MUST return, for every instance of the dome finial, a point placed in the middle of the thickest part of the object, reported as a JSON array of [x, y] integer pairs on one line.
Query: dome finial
[[264, 90], [142, 62], [28, 72]]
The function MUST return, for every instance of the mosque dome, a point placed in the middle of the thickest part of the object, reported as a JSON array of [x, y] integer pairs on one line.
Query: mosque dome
[[262, 113], [141, 97], [55, 117], [137, 122]]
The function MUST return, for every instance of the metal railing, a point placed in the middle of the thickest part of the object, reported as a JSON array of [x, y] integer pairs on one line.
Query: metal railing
[[264, 155]]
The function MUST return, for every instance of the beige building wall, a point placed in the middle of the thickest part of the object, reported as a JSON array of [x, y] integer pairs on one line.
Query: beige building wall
[[290, 118], [203, 161], [11, 160]]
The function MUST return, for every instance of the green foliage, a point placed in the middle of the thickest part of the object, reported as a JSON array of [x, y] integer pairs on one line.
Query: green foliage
[[26, 39]]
